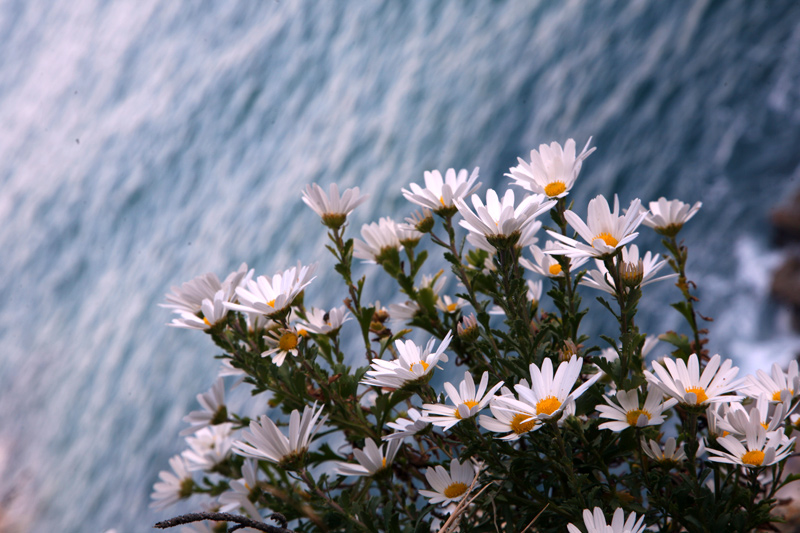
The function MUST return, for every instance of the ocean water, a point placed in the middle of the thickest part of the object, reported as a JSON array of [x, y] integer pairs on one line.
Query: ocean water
[[144, 143]]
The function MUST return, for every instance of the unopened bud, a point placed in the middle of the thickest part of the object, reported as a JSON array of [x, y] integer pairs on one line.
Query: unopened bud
[[632, 273], [467, 328]]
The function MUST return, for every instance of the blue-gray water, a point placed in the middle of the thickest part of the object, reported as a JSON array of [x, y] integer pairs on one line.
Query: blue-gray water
[[146, 142]]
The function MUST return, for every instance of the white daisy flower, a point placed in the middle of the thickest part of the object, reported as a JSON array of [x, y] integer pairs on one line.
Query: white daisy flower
[[650, 265], [242, 490], [406, 427], [332, 208], [371, 459], [686, 384], [468, 402], [611, 354], [595, 522], [379, 239], [272, 296], [627, 413], [516, 424], [404, 311], [214, 409], [440, 194], [548, 395], [174, 486], [668, 217], [188, 298], [604, 230], [499, 222], [412, 364], [212, 312], [209, 447], [760, 448], [547, 265], [281, 342], [324, 322], [265, 441], [778, 387], [534, 294], [735, 418], [552, 170], [670, 455], [447, 305], [449, 486]]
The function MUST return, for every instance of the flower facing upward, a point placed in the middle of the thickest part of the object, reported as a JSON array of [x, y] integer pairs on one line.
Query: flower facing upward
[[552, 170], [371, 459], [548, 395], [685, 383], [601, 279], [273, 296], [380, 239], [760, 447], [499, 223], [449, 486], [413, 363], [439, 194], [671, 455], [516, 424], [604, 230], [265, 441], [332, 208], [630, 414], [595, 522], [281, 342], [668, 217], [468, 402]]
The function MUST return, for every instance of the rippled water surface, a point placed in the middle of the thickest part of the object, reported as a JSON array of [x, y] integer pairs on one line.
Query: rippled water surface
[[146, 142]]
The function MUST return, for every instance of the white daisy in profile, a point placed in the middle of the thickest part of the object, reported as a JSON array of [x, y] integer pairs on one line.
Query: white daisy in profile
[[174, 486], [281, 342], [552, 170], [545, 264], [209, 447], [628, 413], [668, 217], [445, 304], [604, 230], [331, 207], [244, 491], [735, 418], [449, 486], [646, 267], [760, 448], [406, 427], [412, 364], [467, 401], [534, 295], [404, 311], [188, 298], [499, 223], [380, 239], [212, 312], [670, 455], [214, 409], [778, 385], [547, 395], [595, 522], [685, 383], [265, 441], [371, 459], [273, 296], [440, 194], [324, 322]]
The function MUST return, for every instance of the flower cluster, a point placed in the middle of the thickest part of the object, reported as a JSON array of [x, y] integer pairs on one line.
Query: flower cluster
[[360, 426]]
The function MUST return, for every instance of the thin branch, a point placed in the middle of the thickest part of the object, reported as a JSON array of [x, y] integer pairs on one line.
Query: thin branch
[[226, 517]]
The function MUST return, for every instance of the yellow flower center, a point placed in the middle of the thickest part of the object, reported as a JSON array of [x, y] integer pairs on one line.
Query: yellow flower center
[[441, 200], [547, 405], [764, 425], [383, 462], [452, 307], [209, 325], [454, 490], [699, 392], [633, 416], [469, 403], [754, 457], [271, 303], [423, 363], [288, 341], [519, 424], [302, 332], [607, 238], [555, 188], [777, 396], [555, 269]]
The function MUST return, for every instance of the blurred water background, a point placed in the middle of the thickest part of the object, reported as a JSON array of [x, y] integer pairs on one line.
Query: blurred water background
[[146, 142]]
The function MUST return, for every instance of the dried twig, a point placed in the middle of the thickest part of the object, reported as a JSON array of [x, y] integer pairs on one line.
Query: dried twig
[[228, 517]]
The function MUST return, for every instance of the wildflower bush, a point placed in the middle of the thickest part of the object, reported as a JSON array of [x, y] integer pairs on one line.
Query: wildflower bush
[[543, 428]]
